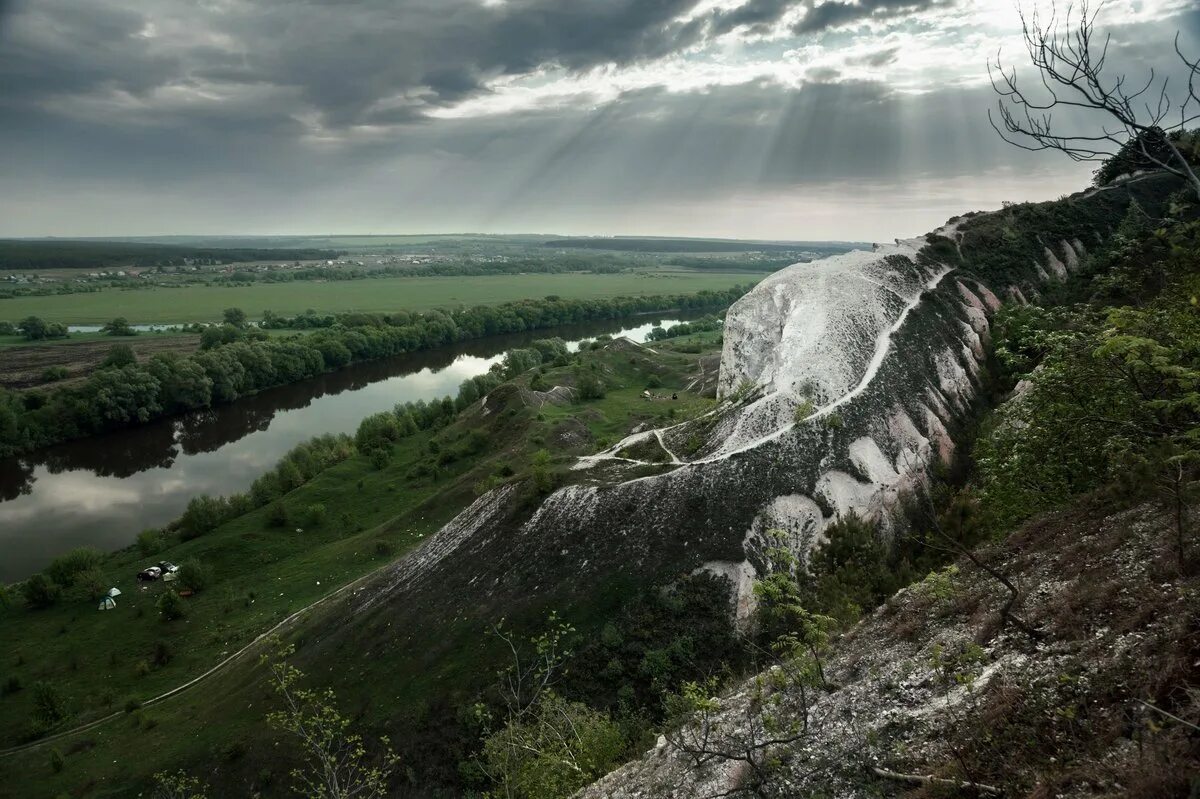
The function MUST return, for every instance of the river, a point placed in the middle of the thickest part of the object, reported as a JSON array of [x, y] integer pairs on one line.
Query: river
[[103, 491]]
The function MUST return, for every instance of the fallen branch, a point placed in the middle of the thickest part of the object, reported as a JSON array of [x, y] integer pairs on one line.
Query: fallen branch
[[1171, 716], [923, 779]]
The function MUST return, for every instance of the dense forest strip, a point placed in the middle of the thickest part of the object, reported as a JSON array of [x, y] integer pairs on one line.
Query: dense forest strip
[[638, 244], [237, 361], [18, 255]]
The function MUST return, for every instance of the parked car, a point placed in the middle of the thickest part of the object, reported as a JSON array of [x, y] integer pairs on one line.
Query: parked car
[[168, 567], [150, 573]]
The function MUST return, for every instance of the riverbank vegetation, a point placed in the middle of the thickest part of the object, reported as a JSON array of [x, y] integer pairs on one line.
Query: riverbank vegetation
[[332, 511], [236, 360]]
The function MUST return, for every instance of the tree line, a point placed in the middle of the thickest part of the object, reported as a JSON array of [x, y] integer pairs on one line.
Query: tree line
[[234, 363], [21, 255]]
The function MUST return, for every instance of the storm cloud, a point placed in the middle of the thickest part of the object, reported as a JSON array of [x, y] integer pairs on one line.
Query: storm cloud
[[792, 118]]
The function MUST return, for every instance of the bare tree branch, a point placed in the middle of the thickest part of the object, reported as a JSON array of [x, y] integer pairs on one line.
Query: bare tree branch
[[1070, 66]]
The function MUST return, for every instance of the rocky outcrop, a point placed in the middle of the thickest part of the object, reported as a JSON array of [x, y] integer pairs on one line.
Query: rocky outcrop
[[933, 684], [842, 383]]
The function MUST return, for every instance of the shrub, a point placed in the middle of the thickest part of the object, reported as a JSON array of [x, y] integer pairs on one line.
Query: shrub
[[194, 575], [11, 685], [278, 515], [140, 669], [49, 707], [591, 387], [89, 584], [150, 541], [316, 513], [56, 761], [119, 356], [170, 606], [162, 653], [54, 373], [40, 591], [377, 431], [64, 568], [381, 457], [203, 514], [543, 478]]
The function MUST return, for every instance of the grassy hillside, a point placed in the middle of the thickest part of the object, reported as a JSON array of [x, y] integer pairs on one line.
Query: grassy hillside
[[262, 571]]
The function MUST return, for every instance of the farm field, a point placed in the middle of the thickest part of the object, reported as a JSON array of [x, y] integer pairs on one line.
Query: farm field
[[205, 303], [23, 364]]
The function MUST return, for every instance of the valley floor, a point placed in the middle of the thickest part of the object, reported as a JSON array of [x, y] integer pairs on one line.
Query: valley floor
[[348, 521]]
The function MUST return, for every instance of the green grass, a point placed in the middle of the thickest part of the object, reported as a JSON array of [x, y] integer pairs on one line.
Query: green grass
[[261, 574], [21, 341], [72, 643], [205, 303]]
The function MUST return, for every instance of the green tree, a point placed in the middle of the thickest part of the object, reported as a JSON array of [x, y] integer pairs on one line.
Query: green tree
[[544, 478], [150, 541], [552, 751], [203, 514], [170, 606], [235, 317], [194, 575], [124, 395], [118, 327], [64, 568], [34, 328], [336, 762], [40, 591]]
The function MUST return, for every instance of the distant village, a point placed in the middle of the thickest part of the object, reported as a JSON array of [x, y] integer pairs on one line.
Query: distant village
[[199, 266]]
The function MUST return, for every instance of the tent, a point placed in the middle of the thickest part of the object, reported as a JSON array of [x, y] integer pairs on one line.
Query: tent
[[114, 592], [108, 603], [170, 577]]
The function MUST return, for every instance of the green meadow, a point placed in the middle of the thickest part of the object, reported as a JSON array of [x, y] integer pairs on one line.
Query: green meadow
[[380, 295]]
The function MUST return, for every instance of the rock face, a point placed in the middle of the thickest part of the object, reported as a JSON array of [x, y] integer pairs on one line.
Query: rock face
[[931, 683], [842, 383]]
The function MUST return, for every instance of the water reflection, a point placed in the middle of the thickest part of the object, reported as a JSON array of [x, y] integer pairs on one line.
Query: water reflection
[[101, 491]]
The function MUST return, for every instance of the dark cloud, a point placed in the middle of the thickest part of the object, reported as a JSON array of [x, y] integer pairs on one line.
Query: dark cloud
[[756, 15], [271, 115], [879, 58], [343, 60], [834, 14]]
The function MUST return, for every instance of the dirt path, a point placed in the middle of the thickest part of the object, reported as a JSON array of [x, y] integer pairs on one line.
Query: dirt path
[[218, 667]]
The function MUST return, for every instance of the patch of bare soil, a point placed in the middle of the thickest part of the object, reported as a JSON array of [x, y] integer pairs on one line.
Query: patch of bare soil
[[24, 367]]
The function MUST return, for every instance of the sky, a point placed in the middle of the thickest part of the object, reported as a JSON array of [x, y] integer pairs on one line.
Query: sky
[[770, 119]]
